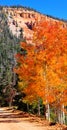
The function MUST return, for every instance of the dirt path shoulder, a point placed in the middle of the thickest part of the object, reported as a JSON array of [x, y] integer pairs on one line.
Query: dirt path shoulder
[[16, 120]]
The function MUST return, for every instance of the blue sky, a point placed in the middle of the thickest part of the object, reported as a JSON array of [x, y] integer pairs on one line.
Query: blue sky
[[55, 8]]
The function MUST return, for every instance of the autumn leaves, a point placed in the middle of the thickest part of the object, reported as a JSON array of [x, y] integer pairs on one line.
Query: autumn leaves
[[43, 69]]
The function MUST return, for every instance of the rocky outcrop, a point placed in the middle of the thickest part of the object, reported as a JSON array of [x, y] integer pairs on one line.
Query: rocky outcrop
[[20, 19]]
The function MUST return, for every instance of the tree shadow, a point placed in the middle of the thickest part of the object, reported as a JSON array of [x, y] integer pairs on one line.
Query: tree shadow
[[64, 128], [8, 118], [13, 115], [9, 121]]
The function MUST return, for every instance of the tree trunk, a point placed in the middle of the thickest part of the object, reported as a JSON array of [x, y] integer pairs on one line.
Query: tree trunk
[[39, 107], [27, 107], [62, 115], [10, 102], [48, 112], [59, 116]]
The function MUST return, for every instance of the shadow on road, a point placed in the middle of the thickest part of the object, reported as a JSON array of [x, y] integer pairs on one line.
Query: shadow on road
[[9, 121], [11, 116]]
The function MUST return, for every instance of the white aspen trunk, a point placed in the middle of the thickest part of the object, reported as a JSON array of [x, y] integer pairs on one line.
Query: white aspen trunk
[[59, 116], [48, 112], [62, 115]]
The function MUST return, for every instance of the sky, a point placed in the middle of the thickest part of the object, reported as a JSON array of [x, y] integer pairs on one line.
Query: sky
[[55, 8]]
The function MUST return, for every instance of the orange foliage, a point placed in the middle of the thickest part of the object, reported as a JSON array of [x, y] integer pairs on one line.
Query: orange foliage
[[51, 41], [44, 66]]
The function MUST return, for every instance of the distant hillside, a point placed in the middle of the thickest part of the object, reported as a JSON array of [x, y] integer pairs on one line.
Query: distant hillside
[[21, 18]]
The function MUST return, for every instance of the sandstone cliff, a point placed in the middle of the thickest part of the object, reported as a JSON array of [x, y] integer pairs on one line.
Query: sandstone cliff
[[21, 21]]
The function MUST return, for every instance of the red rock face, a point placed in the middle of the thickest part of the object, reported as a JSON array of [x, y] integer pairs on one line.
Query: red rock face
[[21, 19]]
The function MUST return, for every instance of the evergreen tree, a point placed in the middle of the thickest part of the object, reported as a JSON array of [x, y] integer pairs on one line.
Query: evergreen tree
[[8, 48]]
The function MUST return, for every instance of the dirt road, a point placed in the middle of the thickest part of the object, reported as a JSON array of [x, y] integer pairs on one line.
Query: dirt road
[[11, 120], [19, 126]]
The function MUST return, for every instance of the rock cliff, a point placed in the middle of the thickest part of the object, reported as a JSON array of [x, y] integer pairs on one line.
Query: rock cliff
[[21, 21]]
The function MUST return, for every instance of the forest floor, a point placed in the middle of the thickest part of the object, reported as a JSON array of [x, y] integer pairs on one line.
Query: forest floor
[[17, 120]]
